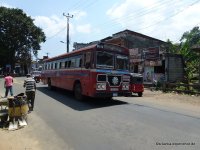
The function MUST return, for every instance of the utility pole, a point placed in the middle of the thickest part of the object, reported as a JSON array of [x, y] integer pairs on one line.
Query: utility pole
[[67, 39]]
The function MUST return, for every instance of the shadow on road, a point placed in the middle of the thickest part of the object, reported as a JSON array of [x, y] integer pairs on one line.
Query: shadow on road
[[68, 99]]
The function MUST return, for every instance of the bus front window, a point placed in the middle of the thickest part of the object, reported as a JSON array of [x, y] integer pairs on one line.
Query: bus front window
[[105, 60], [122, 62]]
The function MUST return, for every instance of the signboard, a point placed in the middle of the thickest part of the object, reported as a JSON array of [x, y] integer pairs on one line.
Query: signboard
[[135, 56], [148, 74], [152, 53], [153, 63]]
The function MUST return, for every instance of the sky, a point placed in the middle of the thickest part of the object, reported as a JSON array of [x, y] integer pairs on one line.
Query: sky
[[97, 19]]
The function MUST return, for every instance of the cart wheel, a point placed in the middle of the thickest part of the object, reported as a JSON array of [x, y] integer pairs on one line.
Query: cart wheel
[[49, 84]]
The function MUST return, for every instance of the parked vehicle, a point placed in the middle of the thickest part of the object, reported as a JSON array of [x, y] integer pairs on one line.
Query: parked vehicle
[[136, 84], [37, 76]]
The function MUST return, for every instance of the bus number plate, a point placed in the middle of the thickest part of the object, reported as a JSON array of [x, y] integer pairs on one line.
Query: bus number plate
[[115, 94], [114, 89]]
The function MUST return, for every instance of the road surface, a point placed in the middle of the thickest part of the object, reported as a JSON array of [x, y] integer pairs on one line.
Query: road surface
[[59, 122]]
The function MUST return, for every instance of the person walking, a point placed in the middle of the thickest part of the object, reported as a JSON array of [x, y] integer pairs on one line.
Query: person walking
[[30, 85], [8, 84]]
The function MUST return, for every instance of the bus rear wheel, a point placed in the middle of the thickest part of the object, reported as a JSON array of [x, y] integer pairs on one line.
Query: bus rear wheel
[[78, 91], [49, 84]]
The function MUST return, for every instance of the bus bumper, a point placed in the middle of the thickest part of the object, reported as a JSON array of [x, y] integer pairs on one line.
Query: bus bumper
[[117, 94]]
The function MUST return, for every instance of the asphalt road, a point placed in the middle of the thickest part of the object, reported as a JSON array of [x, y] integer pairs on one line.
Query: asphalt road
[[60, 122]]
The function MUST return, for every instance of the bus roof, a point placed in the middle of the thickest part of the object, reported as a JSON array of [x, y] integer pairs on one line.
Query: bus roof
[[123, 50]]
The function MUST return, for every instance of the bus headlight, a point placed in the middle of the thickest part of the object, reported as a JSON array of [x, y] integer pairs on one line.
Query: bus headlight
[[101, 86], [125, 86]]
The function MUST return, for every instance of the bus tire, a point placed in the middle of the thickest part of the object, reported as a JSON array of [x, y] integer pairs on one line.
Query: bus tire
[[49, 84], [78, 92], [108, 98], [140, 94]]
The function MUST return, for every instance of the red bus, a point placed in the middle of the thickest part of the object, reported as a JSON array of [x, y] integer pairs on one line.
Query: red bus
[[99, 70]]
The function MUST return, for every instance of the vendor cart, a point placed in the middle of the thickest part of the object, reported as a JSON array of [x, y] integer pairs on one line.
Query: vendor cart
[[14, 110]]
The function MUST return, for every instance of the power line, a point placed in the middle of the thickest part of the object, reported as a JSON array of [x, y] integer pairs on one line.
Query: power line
[[87, 6], [170, 16], [117, 24], [137, 13], [140, 12], [74, 6], [55, 34]]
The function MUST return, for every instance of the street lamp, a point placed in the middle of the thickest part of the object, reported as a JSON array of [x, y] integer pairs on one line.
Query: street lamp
[[63, 42]]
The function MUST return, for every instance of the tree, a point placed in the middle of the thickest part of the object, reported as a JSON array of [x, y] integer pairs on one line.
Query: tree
[[18, 37], [172, 48], [189, 39]]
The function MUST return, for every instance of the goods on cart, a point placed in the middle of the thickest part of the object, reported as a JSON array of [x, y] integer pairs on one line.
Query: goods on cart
[[13, 111], [17, 111], [17, 106]]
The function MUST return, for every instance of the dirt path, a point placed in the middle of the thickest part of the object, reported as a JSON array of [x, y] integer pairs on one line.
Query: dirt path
[[183, 102]]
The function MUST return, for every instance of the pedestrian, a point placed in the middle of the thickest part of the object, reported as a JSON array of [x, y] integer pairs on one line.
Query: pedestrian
[[8, 84], [30, 85]]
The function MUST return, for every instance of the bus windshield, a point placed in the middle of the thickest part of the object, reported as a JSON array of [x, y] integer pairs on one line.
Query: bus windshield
[[121, 62], [105, 60]]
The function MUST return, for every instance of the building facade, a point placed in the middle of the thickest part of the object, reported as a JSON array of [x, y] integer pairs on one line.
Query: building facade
[[146, 53]]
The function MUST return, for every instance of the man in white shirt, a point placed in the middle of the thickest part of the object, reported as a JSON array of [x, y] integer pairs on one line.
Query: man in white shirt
[[30, 85]]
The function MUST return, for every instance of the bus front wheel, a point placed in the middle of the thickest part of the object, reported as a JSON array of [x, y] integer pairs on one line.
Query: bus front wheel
[[140, 94], [78, 91]]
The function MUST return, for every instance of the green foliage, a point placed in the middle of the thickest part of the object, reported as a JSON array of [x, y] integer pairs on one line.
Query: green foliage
[[172, 48], [188, 39], [18, 36]]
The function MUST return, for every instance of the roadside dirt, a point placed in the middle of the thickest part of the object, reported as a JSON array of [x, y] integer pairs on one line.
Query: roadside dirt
[[189, 103], [21, 139]]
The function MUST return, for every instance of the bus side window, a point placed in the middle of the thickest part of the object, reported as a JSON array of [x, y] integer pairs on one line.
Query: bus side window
[[66, 64], [69, 64], [87, 59], [80, 62], [55, 65], [73, 63], [60, 65]]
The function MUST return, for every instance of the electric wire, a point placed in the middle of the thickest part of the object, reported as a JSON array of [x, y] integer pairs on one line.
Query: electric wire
[[74, 7], [172, 15], [126, 21], [141, 12], [48, 38]]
